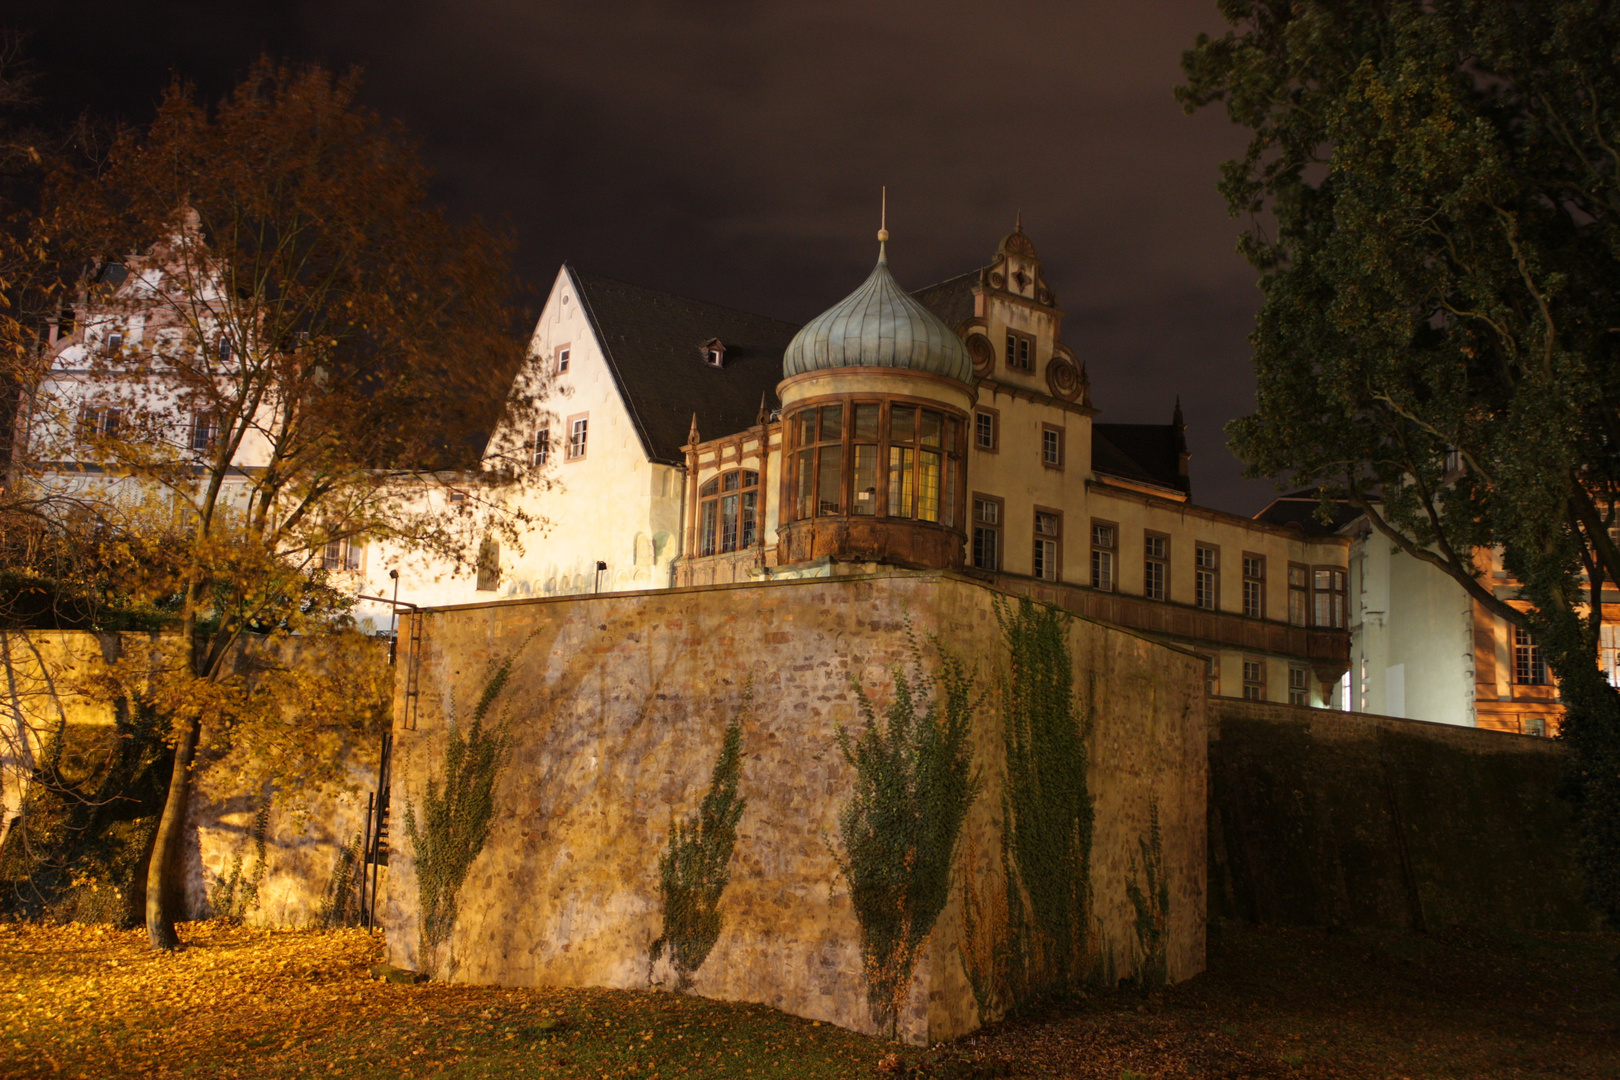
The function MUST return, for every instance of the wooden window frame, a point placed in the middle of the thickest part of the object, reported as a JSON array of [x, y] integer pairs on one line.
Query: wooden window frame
[[1258, 664], [954, 510], [756, 527], [1338, 618], [999, 528], [994, 416], [1529, 663], [585, 444], [1299, 685], [1212, 673], [540, 448], [1214, 572], [1092, 548], [1010, 355], [561, 357], [1260, 581], [1038, 537], [1304, 591], [1163, 563], [1062, 448]]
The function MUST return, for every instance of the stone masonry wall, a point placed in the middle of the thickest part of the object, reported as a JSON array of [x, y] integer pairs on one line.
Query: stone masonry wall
[[617, 707], [1322, 818]]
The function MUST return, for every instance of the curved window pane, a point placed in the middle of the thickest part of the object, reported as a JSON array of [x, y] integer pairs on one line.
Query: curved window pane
[[832, 423], [865, 480], [866, 422], [707, 531], [928, 485], [806, 485], [831, 483], [710, 487], [903, 424], [728, 523], [929, 428], [900, 481], [750, 510]]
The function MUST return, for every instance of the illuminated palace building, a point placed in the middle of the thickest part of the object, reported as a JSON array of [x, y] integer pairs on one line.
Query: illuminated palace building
[[948, 429]]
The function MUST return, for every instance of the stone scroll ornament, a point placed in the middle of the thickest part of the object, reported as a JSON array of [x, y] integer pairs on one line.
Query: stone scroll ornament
[[983, 353], [1064, 379]]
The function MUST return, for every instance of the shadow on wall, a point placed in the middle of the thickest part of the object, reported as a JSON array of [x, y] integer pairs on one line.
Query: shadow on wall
[[1323, 818]]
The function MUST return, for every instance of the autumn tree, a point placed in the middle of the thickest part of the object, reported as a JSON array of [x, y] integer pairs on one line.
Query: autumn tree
[[1434, 192], [284, 340]]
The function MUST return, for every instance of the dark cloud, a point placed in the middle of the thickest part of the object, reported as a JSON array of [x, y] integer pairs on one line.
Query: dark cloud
[[733, 150]]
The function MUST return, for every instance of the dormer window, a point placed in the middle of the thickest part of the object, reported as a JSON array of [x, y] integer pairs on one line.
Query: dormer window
[[714, 352]]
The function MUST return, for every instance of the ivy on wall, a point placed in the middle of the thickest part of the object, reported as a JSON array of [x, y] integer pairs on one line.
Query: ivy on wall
[[914, 784], [1034, 939], [340, 902], [1152, 904], [232, 895], [693, 872], [458, 810]]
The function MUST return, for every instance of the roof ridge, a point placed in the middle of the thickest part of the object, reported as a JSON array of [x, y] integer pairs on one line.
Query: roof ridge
[[947, 281], [583, 276]]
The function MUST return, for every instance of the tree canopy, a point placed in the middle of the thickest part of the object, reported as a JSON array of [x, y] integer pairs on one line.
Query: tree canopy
[[282, 349], [1433, 188]]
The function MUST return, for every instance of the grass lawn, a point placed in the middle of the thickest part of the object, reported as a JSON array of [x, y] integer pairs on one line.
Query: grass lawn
[[89, 1001]]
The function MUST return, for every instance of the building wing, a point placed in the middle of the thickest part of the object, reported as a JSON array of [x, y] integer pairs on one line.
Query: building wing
[[660, 349], [1144, 453]]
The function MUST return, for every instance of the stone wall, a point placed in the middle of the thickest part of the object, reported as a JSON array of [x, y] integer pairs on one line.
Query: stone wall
[[617, 707], [49, 689], [1330, 818]]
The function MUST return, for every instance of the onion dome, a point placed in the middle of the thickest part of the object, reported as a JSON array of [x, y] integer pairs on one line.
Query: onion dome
[[878, 325]]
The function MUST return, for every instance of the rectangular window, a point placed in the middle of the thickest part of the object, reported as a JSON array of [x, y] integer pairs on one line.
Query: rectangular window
[[1299, 686], [727, 512], [986, 532], [1529, 668], [100, 420], [1328, 593], [342, 554], [1299, 595], [1051, 446], [1254, 680], [986, 433], [1155, 566], [542, 446], [1534, 725], [829, 488], [1048, 534], [1206, 580], [1212, 675], [204, 430], [115, 342], [902, 485], [577, 430], [1104, 546], [563, 352], [1254, 586], [1020, 351]]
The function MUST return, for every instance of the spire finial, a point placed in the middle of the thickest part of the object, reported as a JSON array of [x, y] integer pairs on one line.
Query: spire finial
[[883, 225], [1018, 222]]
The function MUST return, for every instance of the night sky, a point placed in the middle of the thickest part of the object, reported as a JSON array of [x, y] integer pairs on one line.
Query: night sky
[[733, 151]]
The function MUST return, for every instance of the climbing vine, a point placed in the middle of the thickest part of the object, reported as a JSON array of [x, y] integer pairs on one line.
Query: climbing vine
[[458, 810], [1152, 904], [914, 784], [340, 904], [1034, 941], [693, 872], [232, 895]]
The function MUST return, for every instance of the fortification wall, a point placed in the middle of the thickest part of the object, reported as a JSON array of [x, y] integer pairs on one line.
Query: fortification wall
[[617, 706], [1328, 818]]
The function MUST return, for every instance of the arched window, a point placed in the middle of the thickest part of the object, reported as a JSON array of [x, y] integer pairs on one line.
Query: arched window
[[837, 451], [728, 512]]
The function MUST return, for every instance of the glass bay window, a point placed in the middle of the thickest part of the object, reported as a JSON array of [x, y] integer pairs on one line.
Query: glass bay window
[[728, 512], [842, 453]]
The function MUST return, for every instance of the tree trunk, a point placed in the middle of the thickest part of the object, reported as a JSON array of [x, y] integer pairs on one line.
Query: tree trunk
[[166, 845]]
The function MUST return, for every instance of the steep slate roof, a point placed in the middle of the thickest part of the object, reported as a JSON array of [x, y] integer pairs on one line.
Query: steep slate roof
[[951, 299], [651, 342], [1150, 452], [1298, 508]]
